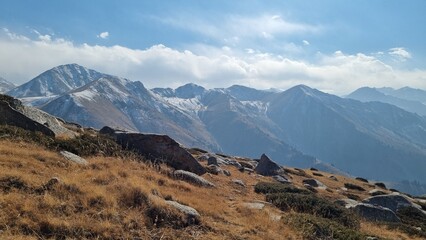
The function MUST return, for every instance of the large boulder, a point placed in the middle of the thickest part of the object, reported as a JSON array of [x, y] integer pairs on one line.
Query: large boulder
[[192, 178], [191, 215], [391, 201], [157, 147], [375, 213], [267, 167], [10, 116]]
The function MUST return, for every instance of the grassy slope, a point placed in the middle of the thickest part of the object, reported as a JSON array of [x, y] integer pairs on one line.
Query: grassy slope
[[106, 199]]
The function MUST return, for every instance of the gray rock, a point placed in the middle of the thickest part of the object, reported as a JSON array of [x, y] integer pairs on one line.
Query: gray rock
[[281, 179], [375, 213], [74, 158], [47, 120], [314, 183], [247, 164], [391, 201], [267, 167], [376, 192], [192, 178], [203, 158], [192, 215], [10, 116], [214, 161], [347, 202], [239, 182], [226, 172], [333, 178], [157, 147], [310, 188], [214, 169], [254, 205]]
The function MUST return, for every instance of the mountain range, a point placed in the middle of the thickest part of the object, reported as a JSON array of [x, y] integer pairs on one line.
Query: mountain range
[[5, 85], [300, 127]]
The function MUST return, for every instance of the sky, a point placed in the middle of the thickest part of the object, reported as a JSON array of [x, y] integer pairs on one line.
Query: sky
[[333, 45]]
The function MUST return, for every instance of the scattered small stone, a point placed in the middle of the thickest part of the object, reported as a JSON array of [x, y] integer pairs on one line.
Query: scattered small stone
[[203, 158], [314, 183], [192, 216], [192, 178], [313, 169], [254, 205], [281, 179], [74, 158], [317, 174], [354, 187], [226, 172], [333, 178], [239, 182], [310, 188], [214, 169]]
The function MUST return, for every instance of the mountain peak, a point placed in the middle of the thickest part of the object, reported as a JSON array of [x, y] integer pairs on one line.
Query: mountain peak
[[189, 90], [5, 85]]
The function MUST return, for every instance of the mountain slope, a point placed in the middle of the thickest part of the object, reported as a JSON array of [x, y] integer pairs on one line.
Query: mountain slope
[[5, 85], [358, 137], [118, 102], [406, 93], [56, 81], [367, 94]]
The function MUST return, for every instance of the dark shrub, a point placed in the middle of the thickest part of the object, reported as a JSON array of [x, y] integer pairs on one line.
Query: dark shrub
[[313, 205], [265, 187], [312, 228], [354, 187], [361, 179], [380, 185]]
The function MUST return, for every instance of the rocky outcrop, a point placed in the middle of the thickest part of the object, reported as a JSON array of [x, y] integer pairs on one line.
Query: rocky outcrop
[[391, 201], [10, 116], [157, 147], [192, 178], [73, 158], [375, 213], [267, 167]]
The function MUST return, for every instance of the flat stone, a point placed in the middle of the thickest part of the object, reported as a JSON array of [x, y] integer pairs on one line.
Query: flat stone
[[192, 178], [73, 158]]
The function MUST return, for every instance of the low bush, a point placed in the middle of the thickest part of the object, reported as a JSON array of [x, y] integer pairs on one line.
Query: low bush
[[314, 205], [266, 187], [313, 227]]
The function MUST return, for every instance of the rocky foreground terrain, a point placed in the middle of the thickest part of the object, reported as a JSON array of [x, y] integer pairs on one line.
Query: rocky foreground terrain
[[59, 180]]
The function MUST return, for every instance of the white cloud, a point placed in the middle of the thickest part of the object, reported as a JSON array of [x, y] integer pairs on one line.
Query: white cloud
[[306, 43], [103, 35], [238, 27], [400, 53], [161, 66]]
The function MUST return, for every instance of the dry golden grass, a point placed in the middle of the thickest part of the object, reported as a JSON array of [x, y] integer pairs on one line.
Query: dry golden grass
[[110, 198]]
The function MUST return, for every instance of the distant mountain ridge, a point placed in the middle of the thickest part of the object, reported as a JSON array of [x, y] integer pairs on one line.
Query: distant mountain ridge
[[403, 98], [5, 85], [297, 127]]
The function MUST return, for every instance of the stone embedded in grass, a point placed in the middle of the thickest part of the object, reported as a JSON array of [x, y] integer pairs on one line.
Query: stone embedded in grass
[[376, 192], [380, 185], [333, 178], [281, 179], [74, 158], [314, 183], [239, 182], [192, 178], [375, 213], [192, 216]]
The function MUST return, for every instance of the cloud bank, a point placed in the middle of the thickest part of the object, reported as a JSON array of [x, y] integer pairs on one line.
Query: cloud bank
[[23, 58]]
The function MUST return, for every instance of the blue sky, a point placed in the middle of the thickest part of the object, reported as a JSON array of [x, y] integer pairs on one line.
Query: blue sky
[[335, 46]]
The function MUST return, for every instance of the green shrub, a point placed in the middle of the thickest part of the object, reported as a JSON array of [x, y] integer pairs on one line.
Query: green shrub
[[312, 227], [266, 187], [314, 205]]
